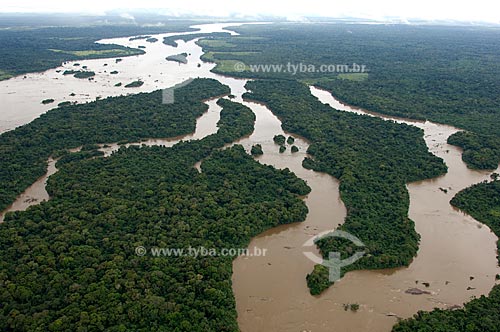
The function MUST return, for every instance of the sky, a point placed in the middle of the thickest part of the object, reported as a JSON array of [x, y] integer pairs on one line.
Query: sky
[[468, 11]]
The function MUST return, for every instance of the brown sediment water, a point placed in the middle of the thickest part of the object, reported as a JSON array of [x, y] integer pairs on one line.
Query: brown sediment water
[[270, 291], [33, 195], [206, 125], [21, 96]]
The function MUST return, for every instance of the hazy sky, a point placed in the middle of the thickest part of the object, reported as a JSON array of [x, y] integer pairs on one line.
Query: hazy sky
[[477, 10]]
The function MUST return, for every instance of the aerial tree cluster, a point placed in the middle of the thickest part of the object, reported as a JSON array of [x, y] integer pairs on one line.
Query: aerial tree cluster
[[25, 150], [373, 159], [439, 73], [70, 264], [40, 48], [481, 151]]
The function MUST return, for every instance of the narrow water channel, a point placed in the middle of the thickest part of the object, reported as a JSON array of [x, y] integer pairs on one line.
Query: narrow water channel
[[270, 291]]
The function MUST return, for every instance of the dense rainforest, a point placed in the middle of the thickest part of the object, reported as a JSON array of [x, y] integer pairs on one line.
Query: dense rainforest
[[171, 40], [482, 201], [481, 151], [372, 158], [444, 74], [37, 49], [25, 150], [70, 264]]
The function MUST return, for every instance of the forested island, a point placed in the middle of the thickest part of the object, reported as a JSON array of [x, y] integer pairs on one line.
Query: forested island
[[71, 262], [84, 74], [41, 48], [25, 150], [134, 84], [180, 58], [171, 40], [373, 159], [448, 82]]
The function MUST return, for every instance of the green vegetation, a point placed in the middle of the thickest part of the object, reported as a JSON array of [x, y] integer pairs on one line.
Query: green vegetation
[[152, 40], [135, 84], [84, 74], [317, 280], [256, 150], [482, 201], [4, 75], [79, 73], [171, 41], [372, 158], [480, 151], [100, 53], [64, 103], [25, 150], [441, 73], [37, 49], [210, 56], [282, 148], [354, 307], [114, 72], [118, 84], [479, 315], [279, 139], [67, 157], [446, 78], [294, 149], [180, 58], [71, 262], [351, 306], [139, 38], [215, 43], [227, 67], [358, 77], [48, 101], [290, 140]]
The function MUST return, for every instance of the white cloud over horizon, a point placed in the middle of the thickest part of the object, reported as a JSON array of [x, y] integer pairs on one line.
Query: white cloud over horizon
[[479, 10]]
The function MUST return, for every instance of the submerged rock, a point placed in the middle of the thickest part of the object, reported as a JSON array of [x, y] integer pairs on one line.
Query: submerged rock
[[416, 291]]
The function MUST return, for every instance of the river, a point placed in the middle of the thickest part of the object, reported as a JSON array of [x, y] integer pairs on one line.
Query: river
[[271, 292]]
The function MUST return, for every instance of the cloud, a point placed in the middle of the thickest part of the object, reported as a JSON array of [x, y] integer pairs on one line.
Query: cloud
[[478, 10], [127, 16]]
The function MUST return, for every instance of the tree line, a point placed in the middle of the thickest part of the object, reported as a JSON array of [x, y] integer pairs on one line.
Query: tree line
[[69, 264], [25, 150], [373, 159]]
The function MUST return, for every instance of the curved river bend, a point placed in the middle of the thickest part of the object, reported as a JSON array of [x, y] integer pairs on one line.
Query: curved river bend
[[270, 291]]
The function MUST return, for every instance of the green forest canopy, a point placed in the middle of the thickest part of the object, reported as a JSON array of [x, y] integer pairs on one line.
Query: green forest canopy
[[25, 150], [372, 158], [441, 73], [70, 263], [37, 49]]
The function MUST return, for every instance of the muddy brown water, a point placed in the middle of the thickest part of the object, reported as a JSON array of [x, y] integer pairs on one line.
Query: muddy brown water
[[270, 291]]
